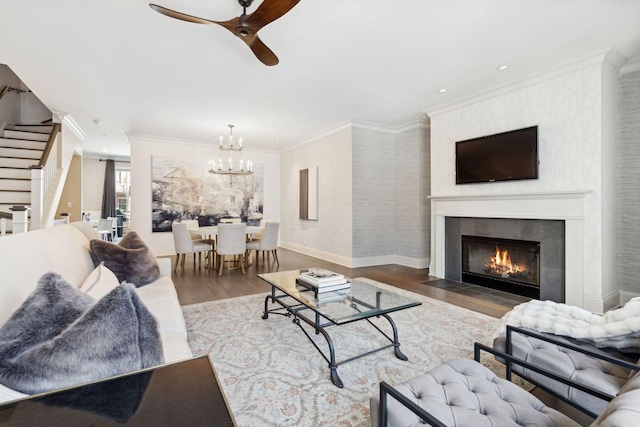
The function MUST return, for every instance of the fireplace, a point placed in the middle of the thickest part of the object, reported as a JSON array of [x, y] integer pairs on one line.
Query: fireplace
[[541, 245], [505, 264]]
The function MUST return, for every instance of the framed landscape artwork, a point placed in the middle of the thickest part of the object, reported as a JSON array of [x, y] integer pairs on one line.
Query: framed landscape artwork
[[183, 188]]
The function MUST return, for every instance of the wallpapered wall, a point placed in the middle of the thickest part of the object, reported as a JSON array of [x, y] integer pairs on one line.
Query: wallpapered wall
[[628, 178], [330, 237], [373, 187], [568, 109]]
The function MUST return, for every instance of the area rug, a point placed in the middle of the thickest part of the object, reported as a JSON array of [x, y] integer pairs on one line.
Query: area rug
[[272, 375]]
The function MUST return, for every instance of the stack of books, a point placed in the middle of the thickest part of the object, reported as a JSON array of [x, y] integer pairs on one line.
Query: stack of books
[[326, 284]]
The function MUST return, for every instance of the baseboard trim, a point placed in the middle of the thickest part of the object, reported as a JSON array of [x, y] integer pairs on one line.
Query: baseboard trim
[[418, 263], [626, 295], [327, 256]]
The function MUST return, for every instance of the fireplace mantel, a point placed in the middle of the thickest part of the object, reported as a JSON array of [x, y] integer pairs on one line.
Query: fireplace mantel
[[568, 206]]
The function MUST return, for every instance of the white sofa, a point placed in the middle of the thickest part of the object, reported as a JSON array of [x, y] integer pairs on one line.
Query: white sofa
[[64, 249]]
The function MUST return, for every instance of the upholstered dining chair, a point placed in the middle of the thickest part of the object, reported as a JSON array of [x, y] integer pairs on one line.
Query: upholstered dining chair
[[186, 245], [232, 241], [105, 229], [268, 243]]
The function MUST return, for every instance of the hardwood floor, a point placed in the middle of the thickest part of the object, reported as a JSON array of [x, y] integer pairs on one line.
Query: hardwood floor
[[198, 284]]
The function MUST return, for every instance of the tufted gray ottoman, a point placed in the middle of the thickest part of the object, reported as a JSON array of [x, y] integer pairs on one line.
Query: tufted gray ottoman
[[465, 393]]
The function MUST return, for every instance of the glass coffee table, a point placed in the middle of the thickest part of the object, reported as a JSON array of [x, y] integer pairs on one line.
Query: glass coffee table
[[362, 302]]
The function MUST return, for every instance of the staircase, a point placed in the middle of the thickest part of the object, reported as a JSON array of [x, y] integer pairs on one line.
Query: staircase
[[21, 146]]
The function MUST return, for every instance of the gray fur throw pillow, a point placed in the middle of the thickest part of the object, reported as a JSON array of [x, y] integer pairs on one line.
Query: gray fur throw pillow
[[130, 260], [116, 335]]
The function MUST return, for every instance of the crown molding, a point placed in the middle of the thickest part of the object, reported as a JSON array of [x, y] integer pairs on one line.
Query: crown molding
[[630, 67], [66, 119], [132, 138], [360, 124], [611, 56]]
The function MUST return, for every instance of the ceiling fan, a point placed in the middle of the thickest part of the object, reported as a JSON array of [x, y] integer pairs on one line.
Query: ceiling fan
[[245, 26]]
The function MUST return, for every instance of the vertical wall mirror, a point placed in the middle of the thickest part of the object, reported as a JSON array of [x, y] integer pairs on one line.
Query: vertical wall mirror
[[309, 194]]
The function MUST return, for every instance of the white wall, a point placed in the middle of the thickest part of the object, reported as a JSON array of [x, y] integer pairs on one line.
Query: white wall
[[142, 148], [93, 185], [572, 108]]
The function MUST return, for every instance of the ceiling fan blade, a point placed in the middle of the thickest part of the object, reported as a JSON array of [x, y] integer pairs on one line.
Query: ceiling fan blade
[[261, 51], [179, 15], [269, 11]]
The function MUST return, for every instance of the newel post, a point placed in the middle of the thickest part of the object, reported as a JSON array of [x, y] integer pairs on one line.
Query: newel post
[[37, 196], [20, 220]]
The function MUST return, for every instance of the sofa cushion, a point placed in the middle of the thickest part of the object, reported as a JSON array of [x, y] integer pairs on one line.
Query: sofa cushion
[[130, 260], [49, 310], [114, 336], [162, 301], [27, 256], [100, 282]]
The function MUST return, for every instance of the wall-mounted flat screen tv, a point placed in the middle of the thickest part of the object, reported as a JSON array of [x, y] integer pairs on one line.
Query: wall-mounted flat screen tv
[[501, 157]]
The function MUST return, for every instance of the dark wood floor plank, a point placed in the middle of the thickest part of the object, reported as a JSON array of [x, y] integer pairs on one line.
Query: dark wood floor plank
[[197, 284]]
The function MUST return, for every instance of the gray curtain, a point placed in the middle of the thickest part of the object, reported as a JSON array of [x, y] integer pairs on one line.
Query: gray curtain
[[109, 190]]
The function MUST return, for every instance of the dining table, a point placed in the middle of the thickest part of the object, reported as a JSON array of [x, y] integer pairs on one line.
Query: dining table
[[211, 231]]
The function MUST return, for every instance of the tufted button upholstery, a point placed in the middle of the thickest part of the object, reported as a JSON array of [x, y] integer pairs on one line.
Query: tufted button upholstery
[[465, 393], [606, 377], [624, 409]]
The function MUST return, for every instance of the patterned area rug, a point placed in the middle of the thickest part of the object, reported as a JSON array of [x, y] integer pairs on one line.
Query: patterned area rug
[[273, 376]]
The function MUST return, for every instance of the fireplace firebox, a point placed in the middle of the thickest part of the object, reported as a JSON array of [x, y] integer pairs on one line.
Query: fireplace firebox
[[504, 264]]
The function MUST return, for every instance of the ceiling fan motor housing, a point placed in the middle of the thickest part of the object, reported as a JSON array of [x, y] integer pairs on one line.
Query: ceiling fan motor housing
[[245, 3]]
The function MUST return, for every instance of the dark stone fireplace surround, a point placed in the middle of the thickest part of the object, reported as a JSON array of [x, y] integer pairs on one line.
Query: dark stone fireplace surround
[[550, 234]]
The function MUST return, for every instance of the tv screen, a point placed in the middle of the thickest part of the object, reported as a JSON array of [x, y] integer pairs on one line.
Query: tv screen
[[501, 157]]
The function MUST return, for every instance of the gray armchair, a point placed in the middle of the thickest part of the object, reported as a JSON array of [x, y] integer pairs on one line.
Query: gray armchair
[[604, 370], [465, 393]]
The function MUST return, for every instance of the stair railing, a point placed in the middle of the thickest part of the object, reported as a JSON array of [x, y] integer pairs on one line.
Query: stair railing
[[43, 176]]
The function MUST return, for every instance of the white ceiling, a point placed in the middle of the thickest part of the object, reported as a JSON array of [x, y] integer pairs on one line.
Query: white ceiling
[[380, 61]]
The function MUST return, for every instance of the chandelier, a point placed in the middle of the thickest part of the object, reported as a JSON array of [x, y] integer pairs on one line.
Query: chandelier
[[230, 166]]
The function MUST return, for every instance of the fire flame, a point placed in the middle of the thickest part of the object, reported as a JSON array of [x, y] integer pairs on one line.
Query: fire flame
[[501, 263]]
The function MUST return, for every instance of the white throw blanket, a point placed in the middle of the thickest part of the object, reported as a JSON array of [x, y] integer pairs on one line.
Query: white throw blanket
[[618, 328]]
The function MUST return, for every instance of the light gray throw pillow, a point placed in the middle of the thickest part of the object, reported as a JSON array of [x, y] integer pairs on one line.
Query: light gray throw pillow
[[130, 260], [116, 335]]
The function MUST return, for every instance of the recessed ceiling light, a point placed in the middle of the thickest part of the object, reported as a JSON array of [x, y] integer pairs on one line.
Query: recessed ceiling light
[[296, 130], [277, 139], [443, 90], [104, 150], [503, 67]]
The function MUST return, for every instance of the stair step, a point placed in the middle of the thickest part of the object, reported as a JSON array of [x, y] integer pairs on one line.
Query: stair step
[[22, 174], [28, 135], [20, 153], [17, 163], [22, 143], [14, 198], [9, 184], [31, 128]]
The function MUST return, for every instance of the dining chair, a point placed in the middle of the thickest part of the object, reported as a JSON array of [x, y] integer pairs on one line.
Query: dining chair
[[257, 236], [268, 243], [232, 241], [114, 226], [104, 229], [186, 245]]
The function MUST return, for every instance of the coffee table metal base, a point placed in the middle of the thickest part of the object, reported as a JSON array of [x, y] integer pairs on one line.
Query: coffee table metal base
[[295, 311]]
